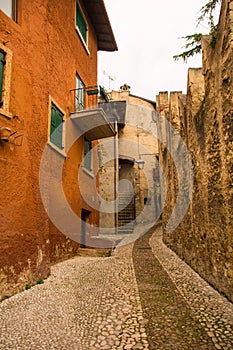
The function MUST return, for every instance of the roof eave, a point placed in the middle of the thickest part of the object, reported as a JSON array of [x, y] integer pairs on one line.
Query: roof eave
[[98, 15]]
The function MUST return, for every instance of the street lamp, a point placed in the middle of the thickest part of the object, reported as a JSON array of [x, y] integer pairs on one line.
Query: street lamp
[[140, 163]]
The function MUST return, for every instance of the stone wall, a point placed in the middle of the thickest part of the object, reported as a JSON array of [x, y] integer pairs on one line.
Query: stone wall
[[204, 119]]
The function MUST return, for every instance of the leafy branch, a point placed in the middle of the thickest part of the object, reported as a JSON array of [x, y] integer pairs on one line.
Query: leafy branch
[[207, 11], [193, 44], [193, 41]]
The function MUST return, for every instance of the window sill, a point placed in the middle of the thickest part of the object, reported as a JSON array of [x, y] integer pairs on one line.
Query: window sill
[[5, 113], [56, 149], [8, 16], [88, 172], [83, 42]]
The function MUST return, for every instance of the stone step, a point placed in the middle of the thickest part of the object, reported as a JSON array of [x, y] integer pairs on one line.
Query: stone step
[[125, 229]]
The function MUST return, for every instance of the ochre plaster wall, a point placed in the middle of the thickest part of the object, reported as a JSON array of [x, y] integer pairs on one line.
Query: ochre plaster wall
[[46, 54]]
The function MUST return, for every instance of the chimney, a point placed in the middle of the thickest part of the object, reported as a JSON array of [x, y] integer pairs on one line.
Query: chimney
[[125, 88]]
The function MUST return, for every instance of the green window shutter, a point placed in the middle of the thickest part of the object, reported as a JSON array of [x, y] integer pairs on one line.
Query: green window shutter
[[56, 126], [2, 63], [87, 154], [81, 23], [93, 92], [79, 94]]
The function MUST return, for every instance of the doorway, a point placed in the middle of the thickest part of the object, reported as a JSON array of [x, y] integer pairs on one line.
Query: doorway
[[85, 217], [126, 198]]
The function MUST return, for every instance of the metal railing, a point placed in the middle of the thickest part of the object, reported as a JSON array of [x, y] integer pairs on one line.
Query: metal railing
[[84, 98]]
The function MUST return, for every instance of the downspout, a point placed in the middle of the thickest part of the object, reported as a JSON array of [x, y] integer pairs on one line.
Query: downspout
[[115, 178]]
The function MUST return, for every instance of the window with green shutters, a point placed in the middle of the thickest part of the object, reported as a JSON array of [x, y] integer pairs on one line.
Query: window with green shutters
[[81, 22], [56, 126], [79, 94], [2, 64], [87, 154], [5, 80]]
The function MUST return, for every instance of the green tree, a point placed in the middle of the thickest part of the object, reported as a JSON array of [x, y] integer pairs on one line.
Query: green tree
[[193, 41]]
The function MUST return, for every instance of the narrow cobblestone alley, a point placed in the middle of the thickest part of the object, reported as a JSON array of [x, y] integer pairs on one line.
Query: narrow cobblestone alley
[[142, 297]]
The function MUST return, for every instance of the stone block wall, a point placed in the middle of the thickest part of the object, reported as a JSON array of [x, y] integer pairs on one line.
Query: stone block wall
[[204, 119]]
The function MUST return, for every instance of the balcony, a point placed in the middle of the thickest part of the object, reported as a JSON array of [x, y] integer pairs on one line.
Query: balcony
[[88, 117]]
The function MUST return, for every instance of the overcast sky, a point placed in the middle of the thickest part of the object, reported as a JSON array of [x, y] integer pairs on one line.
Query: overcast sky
[[147, 34]]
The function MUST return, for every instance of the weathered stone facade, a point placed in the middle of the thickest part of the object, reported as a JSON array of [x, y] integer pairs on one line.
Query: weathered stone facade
[[204, 119], [136, 140]]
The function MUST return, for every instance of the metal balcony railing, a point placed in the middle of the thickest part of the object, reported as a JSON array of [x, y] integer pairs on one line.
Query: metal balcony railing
[[84, 98]]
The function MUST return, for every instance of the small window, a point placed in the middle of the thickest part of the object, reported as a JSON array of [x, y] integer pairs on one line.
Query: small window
[[81, 23], [87, 154], [147, 200], [79, 94], [2, 65], [9, 8], [5, 80], [56, 126]]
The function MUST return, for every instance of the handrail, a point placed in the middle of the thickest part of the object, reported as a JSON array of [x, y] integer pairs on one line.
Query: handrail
[[84, 97]]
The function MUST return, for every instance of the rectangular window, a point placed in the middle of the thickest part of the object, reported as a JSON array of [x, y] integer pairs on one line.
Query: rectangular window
[[9, 8], [5, 80], [56, 126], [87, 154], [81, 23], [2, 64], [79, 94]]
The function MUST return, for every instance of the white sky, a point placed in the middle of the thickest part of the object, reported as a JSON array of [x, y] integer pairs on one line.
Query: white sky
[[147, 34]]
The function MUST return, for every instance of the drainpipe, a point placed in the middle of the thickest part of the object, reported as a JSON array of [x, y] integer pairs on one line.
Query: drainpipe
[[115, 179]]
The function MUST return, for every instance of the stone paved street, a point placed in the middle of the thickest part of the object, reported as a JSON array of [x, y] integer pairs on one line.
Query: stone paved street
[[139, 298], [212, 310], [182, 310]]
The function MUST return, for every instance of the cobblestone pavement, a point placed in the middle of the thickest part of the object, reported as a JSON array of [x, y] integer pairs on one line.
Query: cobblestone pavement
[[212, 310], [93, 303], [87, 303]]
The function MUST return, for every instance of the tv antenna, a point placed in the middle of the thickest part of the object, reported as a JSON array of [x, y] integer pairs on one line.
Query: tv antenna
[[110, 79]]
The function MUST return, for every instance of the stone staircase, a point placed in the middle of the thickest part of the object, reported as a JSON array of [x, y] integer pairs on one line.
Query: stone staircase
[[126, 214]]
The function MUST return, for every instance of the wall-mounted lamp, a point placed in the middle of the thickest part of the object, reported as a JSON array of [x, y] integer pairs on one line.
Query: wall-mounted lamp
[[6, 135], [140, 163]]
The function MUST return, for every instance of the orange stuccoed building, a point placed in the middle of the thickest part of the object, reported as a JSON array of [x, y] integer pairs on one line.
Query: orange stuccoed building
[[48, 124]]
